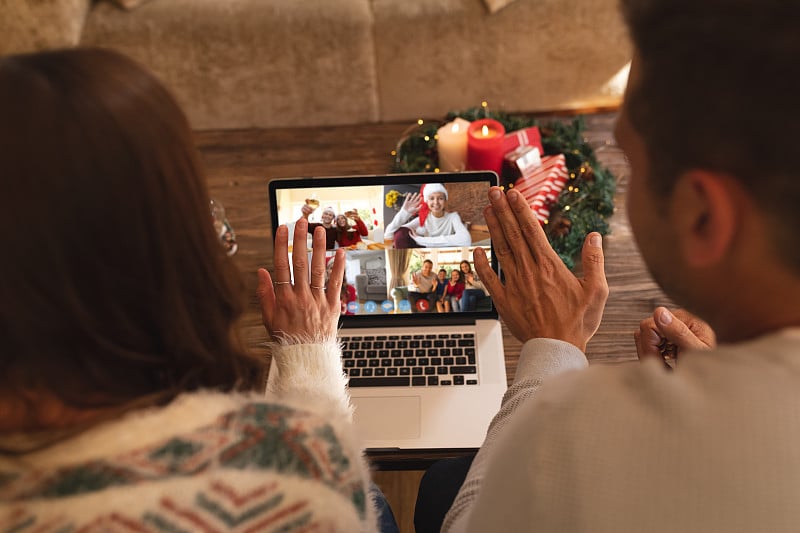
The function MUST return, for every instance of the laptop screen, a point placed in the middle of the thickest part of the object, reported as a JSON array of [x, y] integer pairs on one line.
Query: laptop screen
[[409, 240]]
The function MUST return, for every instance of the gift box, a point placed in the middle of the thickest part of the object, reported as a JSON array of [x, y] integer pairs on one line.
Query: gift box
[[542, 187], [524, 137], [520, 163]]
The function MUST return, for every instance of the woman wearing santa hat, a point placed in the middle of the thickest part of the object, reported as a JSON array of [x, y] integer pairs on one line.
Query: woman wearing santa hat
[[423, 221]]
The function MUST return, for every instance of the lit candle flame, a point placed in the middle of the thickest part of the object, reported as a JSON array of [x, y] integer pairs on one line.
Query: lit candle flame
[[455, 127], [485, 130]]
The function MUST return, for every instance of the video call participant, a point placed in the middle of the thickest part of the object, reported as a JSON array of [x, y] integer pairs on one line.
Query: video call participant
[[347, 235], [451, 297], [327, 218], [473, 287], [441, 283], [423, 221], [424, 298]]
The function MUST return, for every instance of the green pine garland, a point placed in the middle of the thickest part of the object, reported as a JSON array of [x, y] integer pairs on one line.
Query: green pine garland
[[583, 206]]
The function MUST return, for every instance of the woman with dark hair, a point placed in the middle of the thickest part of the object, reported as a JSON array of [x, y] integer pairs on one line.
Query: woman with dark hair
[[126, 397], [350, 236], [473, 287], [453, 290]]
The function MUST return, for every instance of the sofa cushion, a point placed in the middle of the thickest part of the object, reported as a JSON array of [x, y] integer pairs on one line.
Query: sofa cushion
[[533, 55], [273, 63], [252, 63], [376, 276]]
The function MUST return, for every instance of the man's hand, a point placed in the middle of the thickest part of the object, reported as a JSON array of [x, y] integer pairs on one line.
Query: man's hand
[[306, 210], [412, 203], [301, 312], [672, 332], [540, 296]]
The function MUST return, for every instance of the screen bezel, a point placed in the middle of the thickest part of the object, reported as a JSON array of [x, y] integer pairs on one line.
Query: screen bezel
[[414, 179]]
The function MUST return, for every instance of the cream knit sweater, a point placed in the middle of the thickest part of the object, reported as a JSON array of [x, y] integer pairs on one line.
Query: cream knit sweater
[[206, 462], [445, 231], [711, 447]]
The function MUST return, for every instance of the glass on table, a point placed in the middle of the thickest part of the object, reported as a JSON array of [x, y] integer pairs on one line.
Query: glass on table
[[223, 227], [351, 216]]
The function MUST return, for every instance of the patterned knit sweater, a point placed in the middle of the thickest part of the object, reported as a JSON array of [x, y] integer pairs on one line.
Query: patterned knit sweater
[[206, 462]]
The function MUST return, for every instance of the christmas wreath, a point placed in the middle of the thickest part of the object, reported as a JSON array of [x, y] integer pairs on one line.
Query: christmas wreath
[[583, 204]]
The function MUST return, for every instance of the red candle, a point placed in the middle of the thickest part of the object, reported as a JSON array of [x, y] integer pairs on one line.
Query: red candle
[[485, 145]]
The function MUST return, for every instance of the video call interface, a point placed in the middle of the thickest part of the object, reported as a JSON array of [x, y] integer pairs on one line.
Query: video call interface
[[409, 247]]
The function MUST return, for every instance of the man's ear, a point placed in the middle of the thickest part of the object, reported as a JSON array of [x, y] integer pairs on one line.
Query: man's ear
[[706, 211]]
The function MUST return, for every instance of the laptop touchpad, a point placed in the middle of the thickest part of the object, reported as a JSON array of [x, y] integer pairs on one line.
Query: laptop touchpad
[[382, 418]]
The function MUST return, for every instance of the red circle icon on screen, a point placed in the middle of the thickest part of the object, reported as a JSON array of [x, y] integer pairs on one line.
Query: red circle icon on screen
[[422, 305]]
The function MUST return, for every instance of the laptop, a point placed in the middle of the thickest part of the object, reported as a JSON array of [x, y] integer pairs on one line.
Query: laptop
[[426, 372]]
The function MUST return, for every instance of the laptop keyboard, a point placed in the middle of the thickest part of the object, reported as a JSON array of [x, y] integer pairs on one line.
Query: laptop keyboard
[[434, 359]]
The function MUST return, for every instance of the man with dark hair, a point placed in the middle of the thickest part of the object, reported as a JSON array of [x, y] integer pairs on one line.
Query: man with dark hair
[[709, 122], [328, 216], [424, 280]]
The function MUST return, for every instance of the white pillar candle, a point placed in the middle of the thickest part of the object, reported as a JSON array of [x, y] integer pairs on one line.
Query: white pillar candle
[[451, 144]]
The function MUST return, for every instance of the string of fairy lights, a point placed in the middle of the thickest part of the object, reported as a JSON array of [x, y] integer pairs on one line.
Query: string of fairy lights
[[584, 205]]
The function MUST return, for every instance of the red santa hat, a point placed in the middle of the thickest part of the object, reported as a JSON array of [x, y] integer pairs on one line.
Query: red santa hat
[[426, 190]]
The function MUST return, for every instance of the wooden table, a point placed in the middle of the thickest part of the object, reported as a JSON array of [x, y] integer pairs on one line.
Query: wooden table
[[240, 164]]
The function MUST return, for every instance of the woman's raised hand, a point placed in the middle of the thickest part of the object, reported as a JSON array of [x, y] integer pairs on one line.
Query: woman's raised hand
[[301, 312]]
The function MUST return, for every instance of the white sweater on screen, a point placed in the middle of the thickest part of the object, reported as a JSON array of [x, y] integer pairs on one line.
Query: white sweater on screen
[[447, 230]]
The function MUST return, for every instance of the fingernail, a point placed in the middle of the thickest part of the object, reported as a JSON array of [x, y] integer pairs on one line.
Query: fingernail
[[596, 241], [665, 317], [495, 194], [655, 338], [512, 195]]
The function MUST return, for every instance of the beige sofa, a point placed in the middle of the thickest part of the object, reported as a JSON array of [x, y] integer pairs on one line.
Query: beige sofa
[[267, 63]]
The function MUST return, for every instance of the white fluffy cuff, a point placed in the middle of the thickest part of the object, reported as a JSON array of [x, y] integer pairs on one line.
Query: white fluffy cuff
[[309, 370]]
